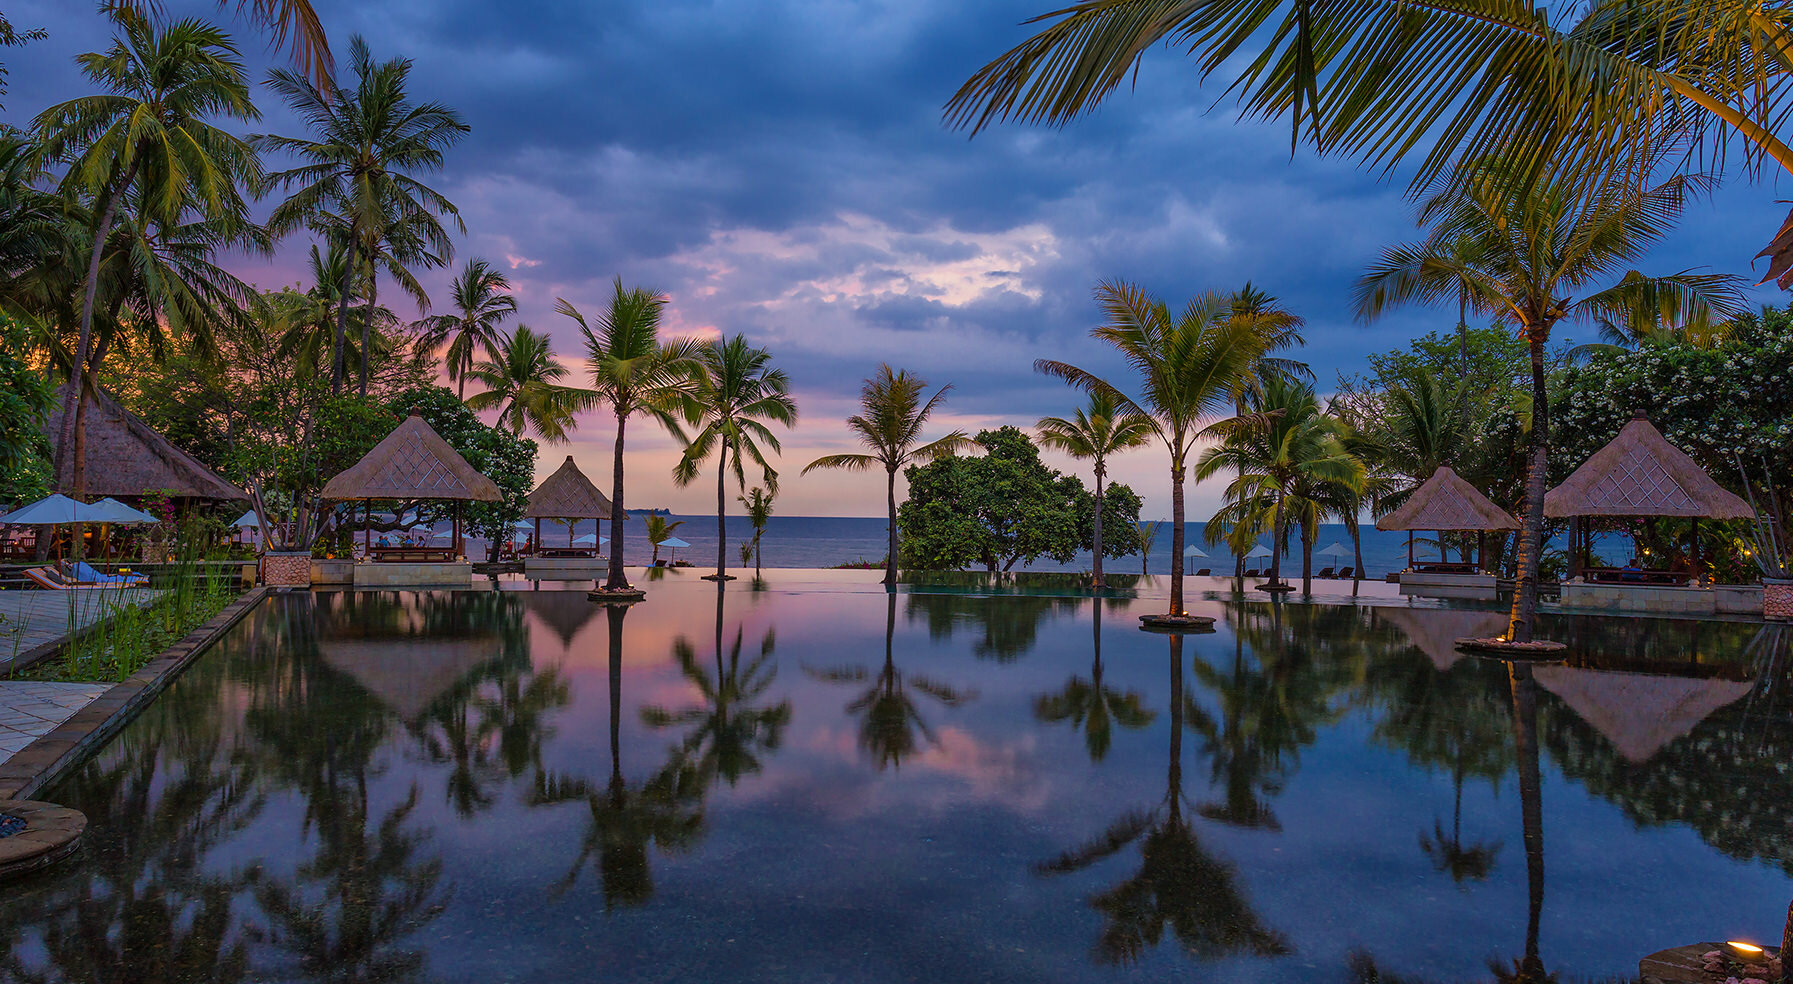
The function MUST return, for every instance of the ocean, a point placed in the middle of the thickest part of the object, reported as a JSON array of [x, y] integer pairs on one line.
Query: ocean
[[826, 541]]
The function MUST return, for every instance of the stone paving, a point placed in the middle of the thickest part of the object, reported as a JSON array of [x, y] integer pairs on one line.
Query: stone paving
[[29, 710], [29, 619]]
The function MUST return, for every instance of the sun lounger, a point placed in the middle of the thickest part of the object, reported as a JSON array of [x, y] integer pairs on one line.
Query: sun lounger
[[1324, 572], [1205, 572], [53, 580], [1251, 572], [1347, 572], [82, 573]]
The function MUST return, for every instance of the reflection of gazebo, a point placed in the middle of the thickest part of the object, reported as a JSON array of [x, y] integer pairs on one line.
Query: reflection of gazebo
[[414, 462], [563, 612], [567, 494], [1639, 713], [408, 672], [1448, 504], [1638, 474], [1435, 631]]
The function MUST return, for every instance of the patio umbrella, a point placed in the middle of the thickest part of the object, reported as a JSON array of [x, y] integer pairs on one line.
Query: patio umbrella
[[247, 521], [52, 510], [1193, 551], [675, 543], [1258, 551], [591, 538], [111, 510], [1337, 549]]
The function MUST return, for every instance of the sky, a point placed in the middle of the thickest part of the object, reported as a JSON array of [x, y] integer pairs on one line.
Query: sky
[[780, 169]]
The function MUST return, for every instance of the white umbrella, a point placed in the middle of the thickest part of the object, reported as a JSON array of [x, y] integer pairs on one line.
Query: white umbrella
[[591, 538], [111, 510], [247, 521], [1258, 551], [673, 541], [1336, 550], [1193, 551], [51, 510]]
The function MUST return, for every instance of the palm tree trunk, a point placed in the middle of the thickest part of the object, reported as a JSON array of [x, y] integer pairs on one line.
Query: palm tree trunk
[[1356, 548], [1307, 559], [74, 437], [890, 563], [1531, 809], [615, 615], [721, 508], [1098, 553], [1276, 539], [756, 552], [1174, 780], [338, 353], [618, 580], [1531, 534], [373, 294], [1176, 539]]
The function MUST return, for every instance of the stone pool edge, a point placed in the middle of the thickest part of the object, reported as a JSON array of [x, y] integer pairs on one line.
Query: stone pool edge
[[51, 756]]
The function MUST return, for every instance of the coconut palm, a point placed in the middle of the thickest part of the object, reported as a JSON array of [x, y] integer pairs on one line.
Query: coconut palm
[[396, 239], [293, 22], [482, 300], [521, 380], [734, 394], [1276, 328], [1102, 429], [890, 422], [758, 503], [659, 531], [1577, 98], [632, 372], [1280, 449], [363, 148], [1147, 532], [147, 140], [1188, 367], [1532, 254]]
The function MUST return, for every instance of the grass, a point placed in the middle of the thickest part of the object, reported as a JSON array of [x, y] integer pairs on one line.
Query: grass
[[126, 636]]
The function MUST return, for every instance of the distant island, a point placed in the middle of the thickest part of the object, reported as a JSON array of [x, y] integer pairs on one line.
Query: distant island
[[648, 512]]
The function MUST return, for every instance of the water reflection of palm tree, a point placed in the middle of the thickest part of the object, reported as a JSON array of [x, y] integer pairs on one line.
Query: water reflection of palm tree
[[1010, 626], [1092, 706], [1178, 884], [1528, 969], [890, 720], [729, 732], [666, 811]]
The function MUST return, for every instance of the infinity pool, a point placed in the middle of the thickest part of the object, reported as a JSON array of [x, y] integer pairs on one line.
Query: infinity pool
[[822, 781]]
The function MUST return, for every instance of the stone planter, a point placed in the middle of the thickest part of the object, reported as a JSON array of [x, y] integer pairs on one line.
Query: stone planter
[[289, 568], [1777, 599]]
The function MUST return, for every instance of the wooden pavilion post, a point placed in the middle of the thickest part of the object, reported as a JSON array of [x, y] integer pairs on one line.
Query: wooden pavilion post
[[457, 530], [1410, 550], [367, 528], [537, 544], [1481, 550], [1699, 572]]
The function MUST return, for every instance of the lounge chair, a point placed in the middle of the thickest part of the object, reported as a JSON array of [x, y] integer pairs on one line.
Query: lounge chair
[[52, 579], [1347, 572], [1251, 572], [1205, 572], [82, 573], [1324, 572]]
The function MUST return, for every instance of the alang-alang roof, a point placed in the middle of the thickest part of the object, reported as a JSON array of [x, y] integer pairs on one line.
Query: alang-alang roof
[[1639, 473], [413, 462], [1446, 502], [567, 494], [125, 456]]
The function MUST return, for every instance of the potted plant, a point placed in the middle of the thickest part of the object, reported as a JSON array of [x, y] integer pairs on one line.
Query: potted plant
[[1770, 551]]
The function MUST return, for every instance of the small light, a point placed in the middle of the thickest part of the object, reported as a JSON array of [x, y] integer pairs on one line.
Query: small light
[[1744, 949]]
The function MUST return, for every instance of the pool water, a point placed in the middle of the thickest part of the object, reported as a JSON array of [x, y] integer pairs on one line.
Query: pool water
[[819, 780]]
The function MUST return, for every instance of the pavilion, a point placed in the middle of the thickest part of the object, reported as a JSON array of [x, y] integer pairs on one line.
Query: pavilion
[[567, 494], [1448, 504], [413, 462], [1639, 474]]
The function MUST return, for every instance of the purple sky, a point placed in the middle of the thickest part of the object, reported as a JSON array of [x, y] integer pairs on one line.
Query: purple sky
[[780, 169]]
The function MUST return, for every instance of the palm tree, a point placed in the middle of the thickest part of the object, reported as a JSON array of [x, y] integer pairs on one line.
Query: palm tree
[[890, 422], [1188, 367], [482, 300], [148, 139], [521, 380], [659, 531], [1577, 101], [1531, 255], [758, 503], [1276, 328], [1147, 531], [291, 21], [1103, 429], [1278, 450], [1091, 705], [734, 393], [363, 148], [633, 372], [396, 239]]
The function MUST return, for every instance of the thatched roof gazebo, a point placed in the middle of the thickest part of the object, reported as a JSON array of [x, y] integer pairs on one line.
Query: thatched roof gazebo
[[414, 462], [126, 457], [1448, 504], [1639, 473], [1435, 631], [566, 494]]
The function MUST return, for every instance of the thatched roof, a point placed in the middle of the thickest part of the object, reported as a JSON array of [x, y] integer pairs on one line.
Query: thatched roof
[[1435, 631], [1639, 473], [125, 456], [567, 494], [1639, 713], [563, 612], [1446, 502], [413, 462], [406, 672]]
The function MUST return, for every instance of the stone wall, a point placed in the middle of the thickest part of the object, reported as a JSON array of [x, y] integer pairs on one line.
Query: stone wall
[[286, 568]]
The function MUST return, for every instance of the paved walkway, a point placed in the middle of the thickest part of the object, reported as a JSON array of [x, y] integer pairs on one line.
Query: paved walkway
[[29, 619], [29, 710]]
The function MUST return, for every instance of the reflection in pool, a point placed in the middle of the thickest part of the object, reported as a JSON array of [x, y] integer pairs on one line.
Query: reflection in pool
[[819, 780]]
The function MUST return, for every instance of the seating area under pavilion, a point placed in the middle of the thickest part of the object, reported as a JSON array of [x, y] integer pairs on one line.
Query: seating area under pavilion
[[565, 495], [413, 463], [1445, 503], [1639, 474]]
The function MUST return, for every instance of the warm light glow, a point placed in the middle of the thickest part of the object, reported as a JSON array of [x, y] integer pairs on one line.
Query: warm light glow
[[1744, 949]]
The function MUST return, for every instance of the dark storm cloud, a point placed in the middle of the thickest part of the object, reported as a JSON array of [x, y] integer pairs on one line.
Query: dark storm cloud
[[780, 168]]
